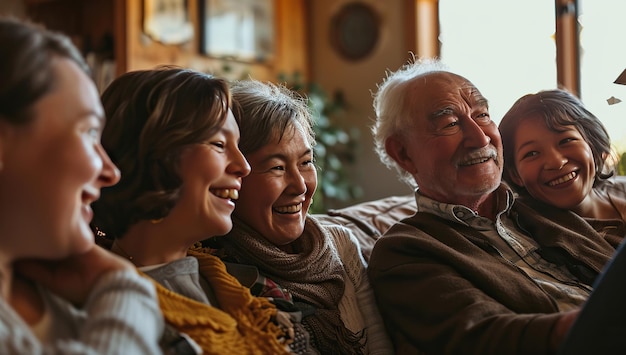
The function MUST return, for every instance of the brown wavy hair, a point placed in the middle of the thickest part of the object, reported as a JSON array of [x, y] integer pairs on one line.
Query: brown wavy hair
[[152, 116]]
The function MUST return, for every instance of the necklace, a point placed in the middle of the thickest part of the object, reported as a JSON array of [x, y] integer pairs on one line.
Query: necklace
[[122, 251]]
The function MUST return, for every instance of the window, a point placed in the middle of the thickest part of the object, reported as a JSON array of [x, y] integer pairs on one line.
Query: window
[[507, 49], [491, 43], [603, 58]]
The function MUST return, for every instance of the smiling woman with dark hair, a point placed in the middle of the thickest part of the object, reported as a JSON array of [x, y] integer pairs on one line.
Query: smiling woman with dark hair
[[560, 154], [173, 136]]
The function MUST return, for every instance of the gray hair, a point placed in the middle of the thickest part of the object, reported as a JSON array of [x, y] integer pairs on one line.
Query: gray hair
[[265, 110], [390, 106]]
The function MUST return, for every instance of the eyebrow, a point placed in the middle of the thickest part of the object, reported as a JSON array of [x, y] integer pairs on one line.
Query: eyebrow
[[480, 101], [227, 131], [284, 157], [525, 144], [101, 117], [437, 114], [84, 114]]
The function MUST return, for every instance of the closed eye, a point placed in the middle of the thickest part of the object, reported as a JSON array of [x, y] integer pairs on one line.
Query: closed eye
[[567, 140], [483, 119], [94, 132], [530, 154]]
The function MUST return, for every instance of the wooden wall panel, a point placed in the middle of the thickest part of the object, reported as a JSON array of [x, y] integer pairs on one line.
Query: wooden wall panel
[[291, 45]]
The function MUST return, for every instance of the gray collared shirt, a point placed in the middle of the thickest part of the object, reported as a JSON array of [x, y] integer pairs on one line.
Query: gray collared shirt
[[514, 246]]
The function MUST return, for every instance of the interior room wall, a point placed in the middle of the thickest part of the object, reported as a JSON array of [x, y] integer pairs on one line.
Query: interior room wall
[[357, 80], [13, 7], [315, 58]]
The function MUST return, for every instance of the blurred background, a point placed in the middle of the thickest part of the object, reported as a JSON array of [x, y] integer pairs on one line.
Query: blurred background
[[337, 51]]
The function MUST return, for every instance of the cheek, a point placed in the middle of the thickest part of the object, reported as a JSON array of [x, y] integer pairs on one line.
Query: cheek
[[310, 180], [257, 191], [590, 158], [88, 160], [75, 169], [527, 173]]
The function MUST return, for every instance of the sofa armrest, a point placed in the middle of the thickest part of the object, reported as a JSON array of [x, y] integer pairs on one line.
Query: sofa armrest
[[370, 220]]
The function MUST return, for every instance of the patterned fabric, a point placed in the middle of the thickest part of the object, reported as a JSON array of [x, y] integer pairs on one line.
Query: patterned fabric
[[244, 324], [314, 276], [262, 286]]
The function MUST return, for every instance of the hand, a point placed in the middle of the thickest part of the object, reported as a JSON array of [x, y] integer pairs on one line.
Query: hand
[[73, 278], [561, 328]]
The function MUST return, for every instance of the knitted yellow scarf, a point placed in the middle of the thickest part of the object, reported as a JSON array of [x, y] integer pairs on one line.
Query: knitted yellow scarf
[[243, 325]]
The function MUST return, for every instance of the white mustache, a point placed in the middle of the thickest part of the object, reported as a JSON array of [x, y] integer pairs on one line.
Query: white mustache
[[479, 156]]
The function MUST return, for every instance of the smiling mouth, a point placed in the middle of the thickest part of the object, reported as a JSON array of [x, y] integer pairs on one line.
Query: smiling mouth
[[475, 161], [563, 179], [289, 209], [232, 194]]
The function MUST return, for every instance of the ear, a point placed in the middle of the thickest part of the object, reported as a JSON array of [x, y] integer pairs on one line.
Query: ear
[[394, 146]]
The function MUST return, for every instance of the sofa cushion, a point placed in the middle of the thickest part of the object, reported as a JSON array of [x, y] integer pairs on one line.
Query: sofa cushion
[[369, 220]]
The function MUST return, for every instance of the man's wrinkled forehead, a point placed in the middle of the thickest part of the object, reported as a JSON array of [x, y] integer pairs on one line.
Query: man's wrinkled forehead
[[448, 81], [431, 88]]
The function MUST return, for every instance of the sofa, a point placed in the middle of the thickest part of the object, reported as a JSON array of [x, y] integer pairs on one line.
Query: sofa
[[369, 220]]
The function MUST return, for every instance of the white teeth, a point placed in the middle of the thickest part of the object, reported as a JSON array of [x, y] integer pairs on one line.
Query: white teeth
[[289, 209], [232, 194], [475, 161], [563, 179]]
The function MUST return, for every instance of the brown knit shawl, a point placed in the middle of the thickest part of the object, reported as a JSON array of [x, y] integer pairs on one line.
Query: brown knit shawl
[[313, 275]]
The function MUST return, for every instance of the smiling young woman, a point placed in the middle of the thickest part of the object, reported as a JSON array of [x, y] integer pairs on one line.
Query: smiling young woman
[[59, 292], [558, 152], [173, 135]]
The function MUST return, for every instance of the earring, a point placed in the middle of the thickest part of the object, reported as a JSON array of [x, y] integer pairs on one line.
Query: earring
[[156, 221]]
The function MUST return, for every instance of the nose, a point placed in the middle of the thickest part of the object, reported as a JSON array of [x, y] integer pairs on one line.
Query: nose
[[110, 174], [474, 135], [296, 182], [554, 160], [239, 165]]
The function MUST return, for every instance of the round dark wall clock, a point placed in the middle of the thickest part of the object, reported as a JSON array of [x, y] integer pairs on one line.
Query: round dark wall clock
[[355, 30]]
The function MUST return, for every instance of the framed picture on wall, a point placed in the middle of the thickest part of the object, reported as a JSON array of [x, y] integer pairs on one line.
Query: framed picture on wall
[[167, 21], [355, 30], [237, 29]]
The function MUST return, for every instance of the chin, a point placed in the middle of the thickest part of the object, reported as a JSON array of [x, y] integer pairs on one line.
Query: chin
[[79, 244], [295, 235], [220, 228]]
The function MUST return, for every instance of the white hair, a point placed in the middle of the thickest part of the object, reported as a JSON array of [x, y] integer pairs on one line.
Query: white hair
[[391, 108]]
